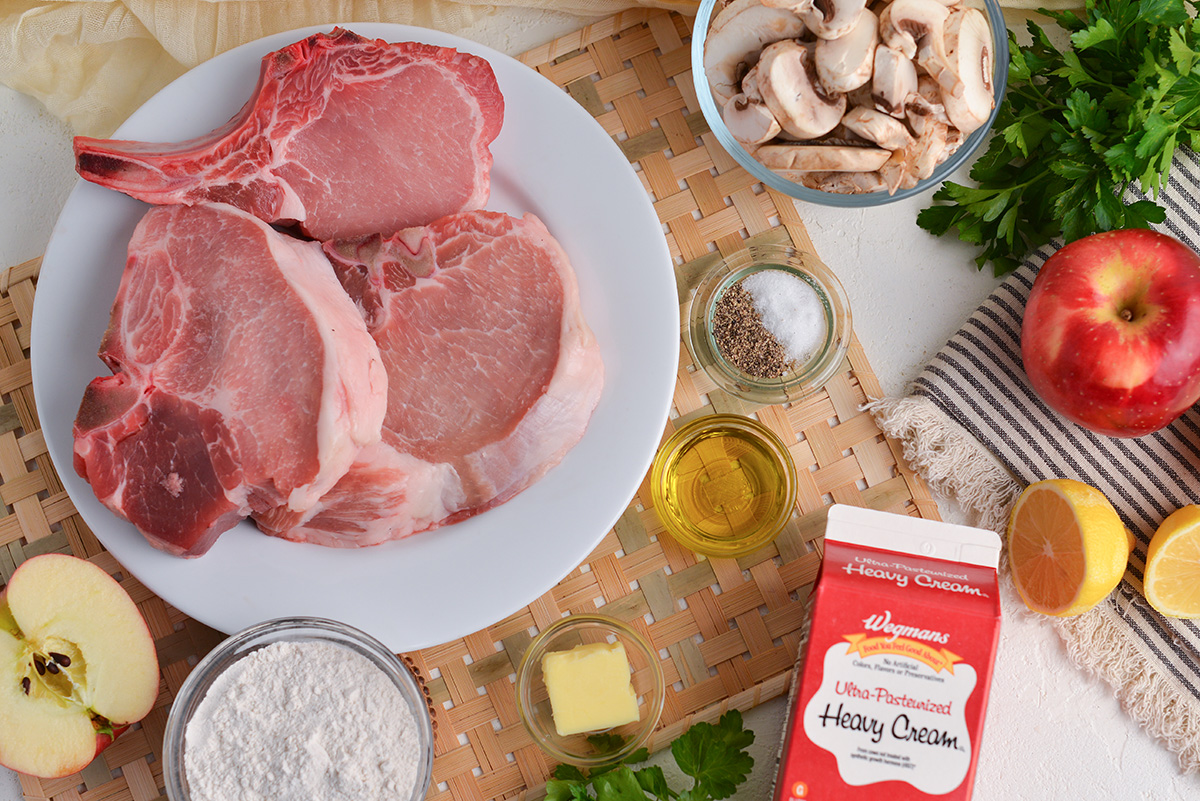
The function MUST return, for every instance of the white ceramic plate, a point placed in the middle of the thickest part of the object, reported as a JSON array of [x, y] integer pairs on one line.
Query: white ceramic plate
[[551, 158]]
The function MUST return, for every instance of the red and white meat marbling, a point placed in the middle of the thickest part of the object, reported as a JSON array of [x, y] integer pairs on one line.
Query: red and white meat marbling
[[343, 135], [493, 375], [244, 379]]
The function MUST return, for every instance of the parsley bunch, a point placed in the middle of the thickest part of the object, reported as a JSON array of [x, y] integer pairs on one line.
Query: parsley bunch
[[714, 756], [1079, 126]]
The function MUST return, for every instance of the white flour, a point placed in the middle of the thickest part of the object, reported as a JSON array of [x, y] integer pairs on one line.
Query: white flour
[[302, 721]]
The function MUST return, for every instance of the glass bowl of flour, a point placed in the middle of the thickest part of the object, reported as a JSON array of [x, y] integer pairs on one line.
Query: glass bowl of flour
[[299, 708]]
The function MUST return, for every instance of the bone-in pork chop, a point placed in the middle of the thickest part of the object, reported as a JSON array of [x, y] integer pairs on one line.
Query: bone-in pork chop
[[493, 375], [244, 379], [344, 135]]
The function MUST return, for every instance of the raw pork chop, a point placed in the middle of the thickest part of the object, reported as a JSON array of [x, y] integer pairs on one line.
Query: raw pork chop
[[493, 375], [344, 135], [244, 379]]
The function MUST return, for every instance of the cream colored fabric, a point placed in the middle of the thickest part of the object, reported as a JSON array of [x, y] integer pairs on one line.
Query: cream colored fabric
[[92, 63]]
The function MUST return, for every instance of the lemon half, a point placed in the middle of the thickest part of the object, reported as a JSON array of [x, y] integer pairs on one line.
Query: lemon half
[[1172, 582], [1066, 546]]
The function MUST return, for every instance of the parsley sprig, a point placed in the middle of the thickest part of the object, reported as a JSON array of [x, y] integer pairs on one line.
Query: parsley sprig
[[1079, 126], [713, 755]]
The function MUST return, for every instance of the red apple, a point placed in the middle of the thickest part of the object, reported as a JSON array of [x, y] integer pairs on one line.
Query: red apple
[[1111, 335], [77, 665]]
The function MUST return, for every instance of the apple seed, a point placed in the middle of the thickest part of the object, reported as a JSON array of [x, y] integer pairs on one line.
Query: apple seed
[[61, 659], [40, 664], [52, 667], [25, 684]]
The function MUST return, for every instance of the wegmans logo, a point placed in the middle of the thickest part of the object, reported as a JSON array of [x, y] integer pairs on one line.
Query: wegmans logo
[[877, 622]]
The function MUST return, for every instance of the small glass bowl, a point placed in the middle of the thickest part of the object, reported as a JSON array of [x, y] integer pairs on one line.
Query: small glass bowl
[[533, 701], [296, 629], [731, 499], [709, 9], [810, 377]]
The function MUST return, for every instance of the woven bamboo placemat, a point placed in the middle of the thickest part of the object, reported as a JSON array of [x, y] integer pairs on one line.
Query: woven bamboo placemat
[[728, 629]]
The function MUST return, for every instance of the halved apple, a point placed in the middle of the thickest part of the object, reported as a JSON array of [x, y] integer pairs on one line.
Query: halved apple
[[77, 665]]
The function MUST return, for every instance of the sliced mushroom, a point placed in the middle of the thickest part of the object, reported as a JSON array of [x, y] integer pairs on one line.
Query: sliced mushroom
[[925, 104], [882, 129], [915, 163], [918, 124], [906, 24], [919, 112], [736, 38], [749, 121], [832, 19], [893, 81], [750, 84], [788, 82], [954, 140], [930, 91], [929, 150], [843, 183], [963, 68], [822, 158], [846, 63]]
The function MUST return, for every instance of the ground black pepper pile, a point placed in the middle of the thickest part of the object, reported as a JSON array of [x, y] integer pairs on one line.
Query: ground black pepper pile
[[743, 340]]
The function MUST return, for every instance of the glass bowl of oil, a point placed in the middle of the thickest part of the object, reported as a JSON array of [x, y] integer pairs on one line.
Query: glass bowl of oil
[[811, 317], [724, 485]]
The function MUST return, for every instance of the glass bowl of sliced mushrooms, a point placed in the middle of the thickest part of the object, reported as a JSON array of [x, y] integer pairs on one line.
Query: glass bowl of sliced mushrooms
[[850, 102]]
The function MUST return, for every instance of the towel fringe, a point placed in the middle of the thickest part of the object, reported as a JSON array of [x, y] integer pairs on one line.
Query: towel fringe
[[1097, 642], [951, 461]]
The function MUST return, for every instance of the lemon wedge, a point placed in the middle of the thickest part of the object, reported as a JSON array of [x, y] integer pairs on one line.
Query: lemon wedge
[[1172, 582], [1066, 546]]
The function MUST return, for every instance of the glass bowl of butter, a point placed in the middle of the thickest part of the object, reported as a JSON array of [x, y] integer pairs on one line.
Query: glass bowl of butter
[[590, 690]]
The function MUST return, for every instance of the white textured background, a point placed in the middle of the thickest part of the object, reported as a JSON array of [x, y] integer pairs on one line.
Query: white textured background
[[1052, 732]]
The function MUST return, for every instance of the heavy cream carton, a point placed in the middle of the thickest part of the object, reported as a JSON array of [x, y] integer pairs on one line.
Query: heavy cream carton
[[895, 675]]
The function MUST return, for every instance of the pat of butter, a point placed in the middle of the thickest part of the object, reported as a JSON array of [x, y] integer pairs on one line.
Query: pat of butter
[[589, 688]]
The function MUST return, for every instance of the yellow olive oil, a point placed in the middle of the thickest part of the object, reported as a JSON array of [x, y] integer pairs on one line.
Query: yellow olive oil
[[724, 485]]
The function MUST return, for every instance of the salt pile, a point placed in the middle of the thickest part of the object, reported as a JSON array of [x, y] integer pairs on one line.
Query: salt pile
[[791, 310]]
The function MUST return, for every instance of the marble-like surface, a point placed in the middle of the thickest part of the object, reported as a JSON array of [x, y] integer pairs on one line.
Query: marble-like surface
[[1052, 731]]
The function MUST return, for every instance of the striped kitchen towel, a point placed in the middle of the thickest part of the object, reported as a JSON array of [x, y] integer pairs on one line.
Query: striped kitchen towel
[[977, 381]]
